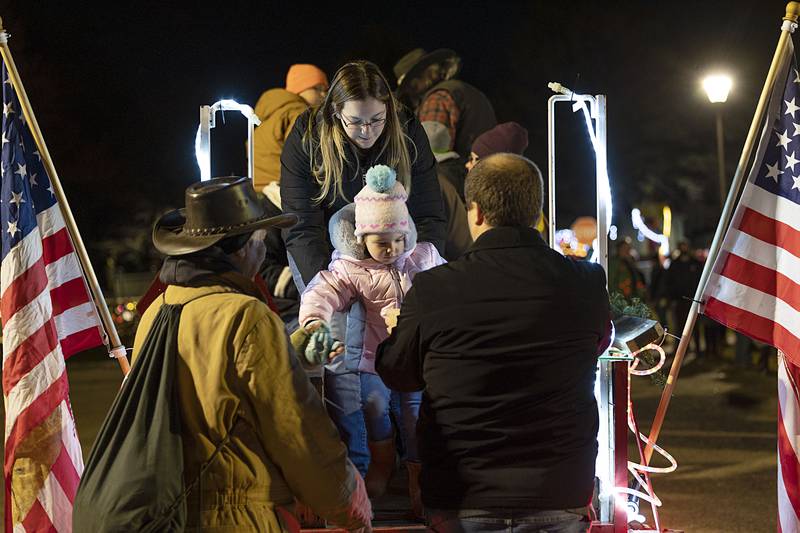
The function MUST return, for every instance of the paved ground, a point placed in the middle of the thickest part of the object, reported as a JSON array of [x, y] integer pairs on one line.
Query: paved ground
[[720, 428]]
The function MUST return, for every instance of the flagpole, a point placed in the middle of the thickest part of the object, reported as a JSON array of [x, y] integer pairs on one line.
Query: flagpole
[[117, 349], [789, 24]]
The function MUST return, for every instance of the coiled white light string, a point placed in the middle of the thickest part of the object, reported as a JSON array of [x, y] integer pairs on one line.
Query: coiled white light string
[[641, 471]]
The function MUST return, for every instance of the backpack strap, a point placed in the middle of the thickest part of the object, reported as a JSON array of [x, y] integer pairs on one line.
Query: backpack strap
[[197, 481]]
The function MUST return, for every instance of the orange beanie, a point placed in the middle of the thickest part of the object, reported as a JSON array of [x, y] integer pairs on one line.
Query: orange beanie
[[303, 76]]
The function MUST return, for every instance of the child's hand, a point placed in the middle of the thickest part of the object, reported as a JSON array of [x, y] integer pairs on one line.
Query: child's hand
[[318, 345]]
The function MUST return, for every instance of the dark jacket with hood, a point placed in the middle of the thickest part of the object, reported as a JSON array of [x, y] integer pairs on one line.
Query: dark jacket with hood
[[276, 273], [504, 341], [307, 242]]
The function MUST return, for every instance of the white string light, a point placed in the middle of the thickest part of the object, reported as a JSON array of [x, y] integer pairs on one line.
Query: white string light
[[639, 224], [640, 471], [203, 153]]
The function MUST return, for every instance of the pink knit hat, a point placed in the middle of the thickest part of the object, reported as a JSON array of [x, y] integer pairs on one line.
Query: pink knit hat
[[381, 204]]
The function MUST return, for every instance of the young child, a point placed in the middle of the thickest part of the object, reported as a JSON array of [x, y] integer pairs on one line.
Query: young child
[[375, 259]]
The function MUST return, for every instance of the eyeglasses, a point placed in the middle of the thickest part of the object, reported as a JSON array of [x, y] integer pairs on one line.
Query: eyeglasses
[[355, 125]]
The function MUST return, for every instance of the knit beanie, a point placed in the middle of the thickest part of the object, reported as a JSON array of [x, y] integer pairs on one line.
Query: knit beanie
[[381, 204], [302, 76], [506, 137]]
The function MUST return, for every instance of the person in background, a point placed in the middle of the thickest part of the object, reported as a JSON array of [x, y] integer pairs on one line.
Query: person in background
[[504, 344], [275, 270], [426, 83], [508, 138], [306, 86], [449, 168], [682, 278], [623, 275], [238, 375], [278, 109]]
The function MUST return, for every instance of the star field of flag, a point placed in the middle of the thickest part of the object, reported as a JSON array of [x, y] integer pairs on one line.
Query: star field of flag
[[25, 188], [780, 167]]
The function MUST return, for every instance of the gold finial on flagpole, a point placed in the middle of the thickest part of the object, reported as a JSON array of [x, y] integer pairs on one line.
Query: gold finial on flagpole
[[792, 11]]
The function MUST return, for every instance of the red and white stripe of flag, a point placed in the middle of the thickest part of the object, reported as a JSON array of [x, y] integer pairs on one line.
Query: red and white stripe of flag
[[788, 446], [47, 315], [757, 289]]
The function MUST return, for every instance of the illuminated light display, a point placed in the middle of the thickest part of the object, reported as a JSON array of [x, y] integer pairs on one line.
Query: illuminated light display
[[202, 140], [661, 239]]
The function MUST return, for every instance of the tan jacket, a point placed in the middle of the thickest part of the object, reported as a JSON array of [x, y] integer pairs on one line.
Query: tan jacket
[[277, 109], [235, 360]]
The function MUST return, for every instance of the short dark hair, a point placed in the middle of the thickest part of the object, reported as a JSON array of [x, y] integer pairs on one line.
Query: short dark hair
[[508, 188]]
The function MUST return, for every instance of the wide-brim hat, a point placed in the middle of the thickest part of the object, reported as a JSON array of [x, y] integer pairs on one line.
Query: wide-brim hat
[[215, 209], [416, 61]]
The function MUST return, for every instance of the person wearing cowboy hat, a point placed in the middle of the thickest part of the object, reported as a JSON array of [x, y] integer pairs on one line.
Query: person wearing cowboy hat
[[236, 363], [426, 82]]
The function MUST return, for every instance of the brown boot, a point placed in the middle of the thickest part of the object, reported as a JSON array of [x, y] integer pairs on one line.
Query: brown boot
[[414, 491], [381, 464]]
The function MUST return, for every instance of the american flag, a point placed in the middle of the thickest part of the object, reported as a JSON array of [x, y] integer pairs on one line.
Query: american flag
[[754, 287], [47, 316]]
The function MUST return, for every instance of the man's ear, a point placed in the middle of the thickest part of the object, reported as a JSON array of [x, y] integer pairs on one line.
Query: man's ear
[[480, 218]]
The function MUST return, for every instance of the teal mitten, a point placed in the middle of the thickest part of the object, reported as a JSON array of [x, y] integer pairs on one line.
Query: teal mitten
[[320, 344]]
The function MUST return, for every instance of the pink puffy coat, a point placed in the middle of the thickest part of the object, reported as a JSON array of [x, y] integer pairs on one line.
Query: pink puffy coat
[[354, 276]]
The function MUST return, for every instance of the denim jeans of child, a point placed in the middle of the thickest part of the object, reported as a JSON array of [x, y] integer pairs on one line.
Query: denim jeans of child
[[497, 520], [405, 409], [359, 405]]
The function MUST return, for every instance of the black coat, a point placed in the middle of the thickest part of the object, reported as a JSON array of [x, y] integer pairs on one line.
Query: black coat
[[308, 241], [504, 342], [285, 295]]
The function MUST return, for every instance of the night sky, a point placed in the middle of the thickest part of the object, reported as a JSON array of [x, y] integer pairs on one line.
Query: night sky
[[117, 90]]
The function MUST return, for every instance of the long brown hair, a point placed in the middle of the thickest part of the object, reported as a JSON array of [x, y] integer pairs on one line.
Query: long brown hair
[[325, 138]]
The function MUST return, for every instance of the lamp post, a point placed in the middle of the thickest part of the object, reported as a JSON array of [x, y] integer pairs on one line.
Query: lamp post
[[717, 87]]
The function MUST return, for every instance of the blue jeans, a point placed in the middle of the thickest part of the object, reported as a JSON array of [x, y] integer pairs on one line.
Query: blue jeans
[[359, 405], [521, 521], [405, 408]]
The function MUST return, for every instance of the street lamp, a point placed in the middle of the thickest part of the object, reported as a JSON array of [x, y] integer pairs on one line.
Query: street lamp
[[717, 87]]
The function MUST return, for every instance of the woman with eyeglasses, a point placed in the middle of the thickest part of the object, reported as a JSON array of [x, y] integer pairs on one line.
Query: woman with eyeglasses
[[326, 156], [360, 124]]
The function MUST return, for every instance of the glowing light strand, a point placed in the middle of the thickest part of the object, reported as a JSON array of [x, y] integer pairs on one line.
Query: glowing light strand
[[639, 224], [202, 153], [640, 471], [603, 182]]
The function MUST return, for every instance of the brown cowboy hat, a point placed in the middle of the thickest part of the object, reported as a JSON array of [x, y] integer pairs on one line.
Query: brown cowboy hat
[[414, 63], [215, 209]]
